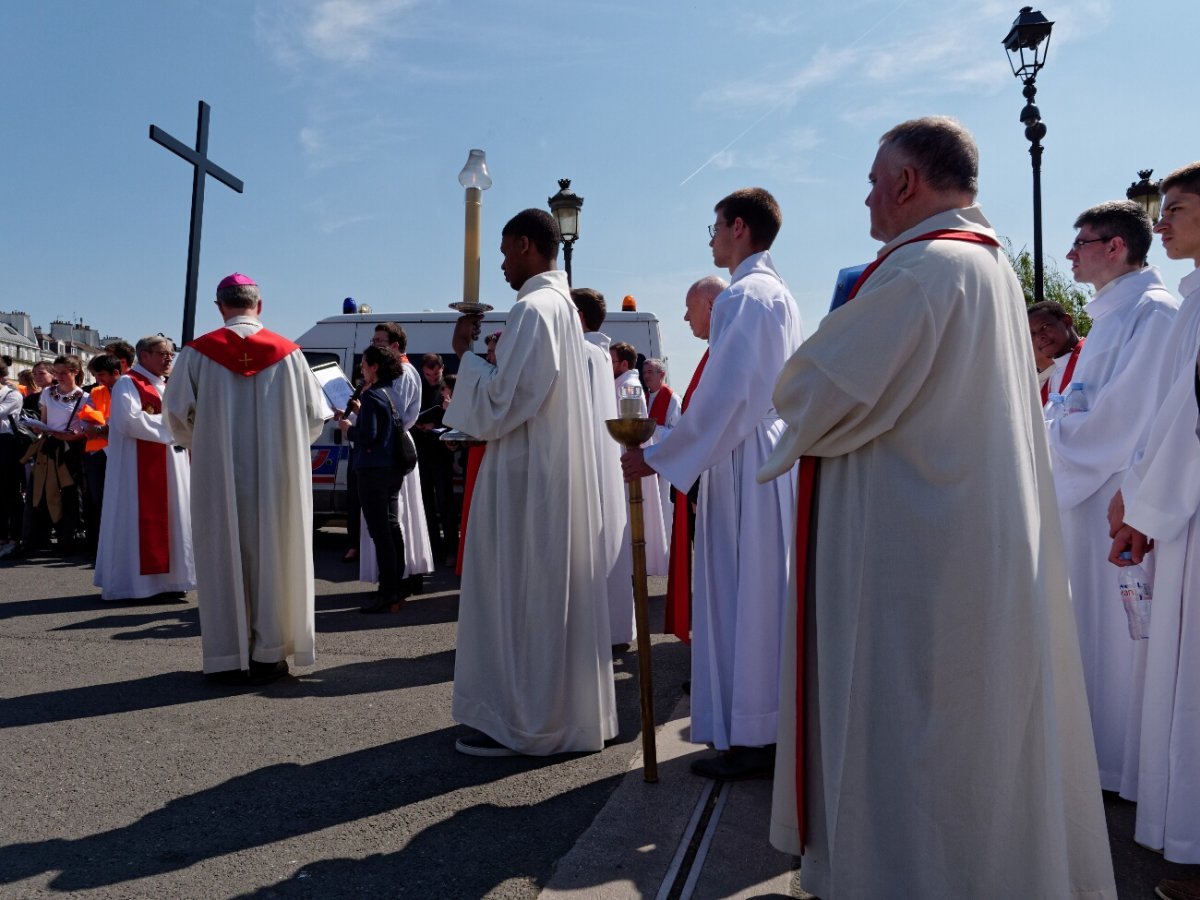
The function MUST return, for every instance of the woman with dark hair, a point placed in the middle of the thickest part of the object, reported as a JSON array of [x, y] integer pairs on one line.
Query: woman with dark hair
[[375, 433]]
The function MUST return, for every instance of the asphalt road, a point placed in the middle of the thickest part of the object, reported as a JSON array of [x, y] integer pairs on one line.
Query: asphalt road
[[125, 774]]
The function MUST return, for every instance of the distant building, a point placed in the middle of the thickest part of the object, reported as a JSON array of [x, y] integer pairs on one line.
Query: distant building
[[27, 344]]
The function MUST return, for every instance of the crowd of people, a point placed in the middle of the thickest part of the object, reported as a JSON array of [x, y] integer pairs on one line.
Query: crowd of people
[[898, 567]]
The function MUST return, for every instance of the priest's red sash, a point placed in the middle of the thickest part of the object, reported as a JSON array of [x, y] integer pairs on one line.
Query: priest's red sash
[[154, 530], [805, 526], [662, 402], [679, 566], [244, 355], [1067, 373]]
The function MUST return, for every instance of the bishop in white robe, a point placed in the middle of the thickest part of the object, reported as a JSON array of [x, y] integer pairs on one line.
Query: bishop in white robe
[[246, 403], [1090, 452], [533, 668], [946, 745], [145, 528], [741, 550]]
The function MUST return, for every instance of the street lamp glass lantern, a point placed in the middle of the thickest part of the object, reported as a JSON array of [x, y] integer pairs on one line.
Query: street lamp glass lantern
[[1028, 41], [1146, 193], [565, 206], [475, 173]]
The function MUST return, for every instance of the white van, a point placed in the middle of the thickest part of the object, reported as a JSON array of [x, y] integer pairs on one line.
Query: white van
[[339, 340]]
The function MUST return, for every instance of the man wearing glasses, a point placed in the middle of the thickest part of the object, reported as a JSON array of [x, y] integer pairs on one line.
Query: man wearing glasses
[[1090, 451], [742, 528], [146, 527]]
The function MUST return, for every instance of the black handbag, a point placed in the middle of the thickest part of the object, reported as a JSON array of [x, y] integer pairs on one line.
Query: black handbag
[[404, 449]]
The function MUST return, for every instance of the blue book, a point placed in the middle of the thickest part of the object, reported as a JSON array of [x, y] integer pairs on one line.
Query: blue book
[[846, 279]]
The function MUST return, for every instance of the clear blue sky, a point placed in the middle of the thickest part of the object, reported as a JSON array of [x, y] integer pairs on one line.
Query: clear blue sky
[[349, 120]]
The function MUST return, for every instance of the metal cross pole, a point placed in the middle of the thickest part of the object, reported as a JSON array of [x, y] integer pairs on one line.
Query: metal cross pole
[[631, 434], [203, 168]]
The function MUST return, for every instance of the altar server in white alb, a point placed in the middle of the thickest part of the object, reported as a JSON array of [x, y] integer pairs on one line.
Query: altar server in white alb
[[625, 374], [245, 401], [146, 529], [945, 746], [742, 547], [1161, 496], [1090, 451], [533, 668], [615, 539]]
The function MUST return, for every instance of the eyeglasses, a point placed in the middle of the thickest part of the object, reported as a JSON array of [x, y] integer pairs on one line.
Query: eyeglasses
[[165, 354], [712, 231], [1077, 243]]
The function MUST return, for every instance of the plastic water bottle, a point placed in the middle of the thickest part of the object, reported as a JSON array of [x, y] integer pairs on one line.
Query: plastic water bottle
[[1074, 399], [1056, 409], [1136, 594]]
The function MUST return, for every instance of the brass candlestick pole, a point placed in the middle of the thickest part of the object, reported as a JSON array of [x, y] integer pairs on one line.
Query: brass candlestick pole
[[632, 433]]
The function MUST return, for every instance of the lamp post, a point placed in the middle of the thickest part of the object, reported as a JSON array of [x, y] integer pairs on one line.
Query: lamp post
[[1028, 31], [566, 205], [1146, 193], [475, 178]]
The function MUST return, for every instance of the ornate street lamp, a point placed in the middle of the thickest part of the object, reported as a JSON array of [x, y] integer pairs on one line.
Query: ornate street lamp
[[1146, 193], [566, 205], [1028, 32]]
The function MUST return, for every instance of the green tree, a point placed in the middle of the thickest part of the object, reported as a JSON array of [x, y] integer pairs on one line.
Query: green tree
[[1055, 285]]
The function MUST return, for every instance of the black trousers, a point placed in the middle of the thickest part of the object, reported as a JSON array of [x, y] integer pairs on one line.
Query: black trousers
[[378, 491], [12, 479], [95, 464]]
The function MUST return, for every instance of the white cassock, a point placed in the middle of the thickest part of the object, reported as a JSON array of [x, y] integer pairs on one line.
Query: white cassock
[[1090, 452], [118, 558], [618, 558], [674, 411], [418, 552], [533, 668], [742, 527], [948, 748], [652, 508], [1162, 500], [252, 510]]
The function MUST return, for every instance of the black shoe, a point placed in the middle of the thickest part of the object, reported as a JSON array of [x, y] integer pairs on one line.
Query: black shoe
[[737, 763], [621, 648], [413, 585], [479, 744], [265, 673], [384, 605], [687, 687]]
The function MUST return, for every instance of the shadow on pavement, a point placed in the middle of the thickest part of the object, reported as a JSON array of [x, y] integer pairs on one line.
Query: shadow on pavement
[[278, 802], [176, 688]]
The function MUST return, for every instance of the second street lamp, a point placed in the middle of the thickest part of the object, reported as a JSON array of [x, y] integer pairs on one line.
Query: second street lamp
[[1146, 193], [565, 206], [1028, 31]]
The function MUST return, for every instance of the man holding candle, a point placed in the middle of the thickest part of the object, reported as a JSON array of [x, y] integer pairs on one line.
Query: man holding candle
[[742, 527], [533, 672]]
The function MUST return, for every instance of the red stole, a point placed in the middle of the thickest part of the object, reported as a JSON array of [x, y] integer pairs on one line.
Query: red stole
[[474, 460], [662, 402], [244, 355], [1067, 373], [154, 531], [806, 527], [679, 567]]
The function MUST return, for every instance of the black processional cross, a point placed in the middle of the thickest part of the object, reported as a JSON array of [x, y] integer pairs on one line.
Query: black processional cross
[[203, 168]]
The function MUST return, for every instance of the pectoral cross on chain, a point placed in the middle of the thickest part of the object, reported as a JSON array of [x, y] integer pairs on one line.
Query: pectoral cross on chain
[[203, 168]]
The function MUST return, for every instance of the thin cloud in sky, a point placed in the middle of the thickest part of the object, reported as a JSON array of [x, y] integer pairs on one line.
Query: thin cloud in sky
[[343, 32]]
